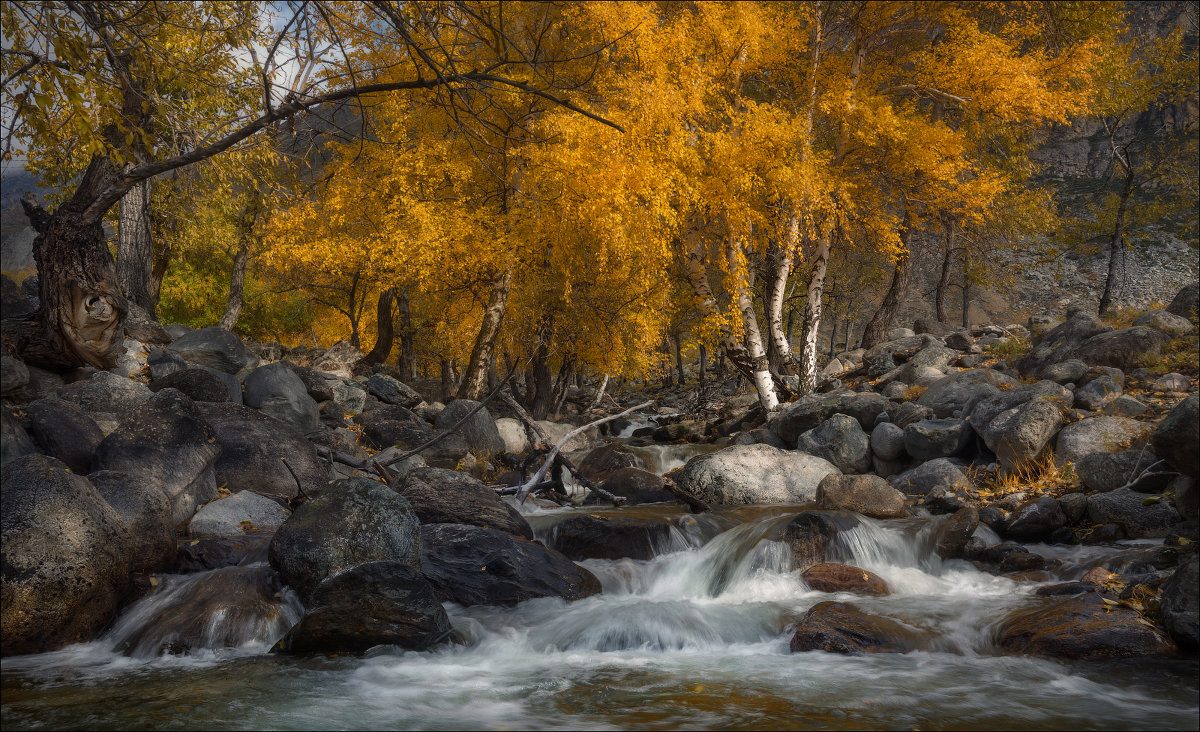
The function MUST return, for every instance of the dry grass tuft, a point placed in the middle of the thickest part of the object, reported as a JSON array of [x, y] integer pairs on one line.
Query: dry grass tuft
[[1040, 477]]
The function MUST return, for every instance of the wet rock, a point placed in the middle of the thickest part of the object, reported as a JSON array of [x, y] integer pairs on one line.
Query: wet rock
[[371, 604], [479, 431], [809, 411], [202, 385], [754, 474], [953, 533], [609, 537], [252, 445], [1097, 393], [1181, 604], [603, 461], [356, 521], [1140, 516], [836, 627], [275, 390], [833, 577], [930, 439], [1035, 519], [1176, 437], [1166, 322], [810, 534], [65, 557], [1022, 561], [1080, 627], [841, 441], [215, 348], [1103, 534], [205, 553], [869, 495], [1098, 434], [241, 513], [440, 496], [960, 391], [166, 440], [887, 441], [106, 392], [512, 431], [64, 431], [146, 511], [1106, 471], [637, 486], [472, 565], [391, 391]]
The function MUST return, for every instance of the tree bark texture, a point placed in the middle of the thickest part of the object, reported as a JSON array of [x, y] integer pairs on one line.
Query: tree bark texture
[[881, 321], [780, 259], [943, 284], [752, 336], [1116, 247], [408, 335], [474, 381], [135, 247], [385, 331], [810, 323], [237, 281]]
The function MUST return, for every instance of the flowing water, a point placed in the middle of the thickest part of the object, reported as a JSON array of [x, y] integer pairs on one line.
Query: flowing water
[[696, 637]]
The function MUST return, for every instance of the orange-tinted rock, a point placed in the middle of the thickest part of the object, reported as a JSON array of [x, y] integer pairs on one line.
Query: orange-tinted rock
[[832, 577], [1081, 627], [836, 627]]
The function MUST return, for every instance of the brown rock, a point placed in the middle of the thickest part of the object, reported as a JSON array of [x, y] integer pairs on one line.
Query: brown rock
[[1087, 626], [833, 577], [836, 627], [868, 494]]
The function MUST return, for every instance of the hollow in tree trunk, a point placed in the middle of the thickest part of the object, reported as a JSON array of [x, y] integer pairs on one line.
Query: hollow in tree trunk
[[134, 247], [383, 328]]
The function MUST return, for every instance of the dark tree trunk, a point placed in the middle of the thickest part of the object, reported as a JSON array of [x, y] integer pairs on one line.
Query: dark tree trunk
[[679, 360], [539, 385], [1116, 247], [703, 364], [448, 380], [943, 284], [562, 385], [881, 321], [162, 259], [384, 329], [237, 280], [134, 247], [408, 335], [474, 380]]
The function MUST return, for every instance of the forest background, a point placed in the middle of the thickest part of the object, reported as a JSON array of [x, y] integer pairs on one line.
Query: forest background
[[589, 189]]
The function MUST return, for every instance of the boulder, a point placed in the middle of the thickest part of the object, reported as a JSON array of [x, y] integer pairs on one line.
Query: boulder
[[1171, 382], [945, 474], [609, 537], [906, 413], [440, 496], [810, 411], [1106, 471], [1080, 627], [1097, 393], [275, 390], [635, 485], [15, 442], [357, 520], [557, 431], [952, 535], [391, 391], [350, 394], [370, 604], [146, 511], [65, 557], [1033, 520], [1184, 304], [810, 534], [605, 460], [930, 439], [954, 395], [318, 384], [479, 431], [253, 449], [472, 565], [201, 384], [1098, 434], [688, 430], [242, 513], [512, 431], [107, 393], [833, 577], [13, 375], [836, 627], [933, 327], [1181, 604], [1055, 346], [205, 553], [1166, 323], [216, 348], [887, 441], [64, 431], [959, 340], [1019, 425], [166, 441], [1140, 516], [1070, 371], [1176, 437], [340, 359], [841, 441], [162, 363], [1121, 349], [754, 474], [869, 495], [1186, 497]]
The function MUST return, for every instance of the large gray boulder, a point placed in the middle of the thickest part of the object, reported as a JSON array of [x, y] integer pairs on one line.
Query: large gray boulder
[[64, 431], [440, 496], [512, 431], [168, 442], [390, 391], [237, 515], [954, 395], [479, 430], [1034, 519], [809, 411], [1166, 323], [254, 447], [869, 495], [277, 391], [146, 511], [1097, 393], [65, 557], [1185, 302], [944, 473], [1098, 434], [1176, 437], [107, 393], [754, 474], [1106, 471], [1181, 603], [201, 383], [930, 439], [841, 441], [1122, 349], [887, 441], [1141, 517], [358, 520], [1019, 425], [1055, 346], [1070, 371], [15, 442], [215, 348]]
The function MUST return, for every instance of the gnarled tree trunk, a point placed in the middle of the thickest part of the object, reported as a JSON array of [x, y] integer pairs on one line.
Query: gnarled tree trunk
[[881, 321], [383, 328]]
